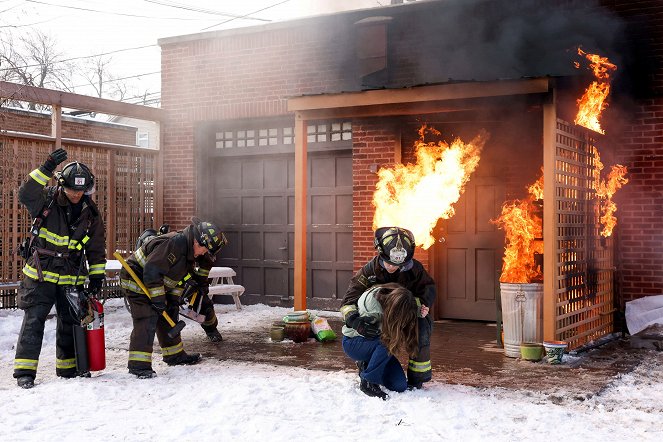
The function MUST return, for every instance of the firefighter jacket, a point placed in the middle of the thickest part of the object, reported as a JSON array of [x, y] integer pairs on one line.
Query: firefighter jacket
[[61, 241], [414, 278], [164, 264]]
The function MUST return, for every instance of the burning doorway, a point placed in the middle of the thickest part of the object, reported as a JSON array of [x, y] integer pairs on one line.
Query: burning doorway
[[467, 256]]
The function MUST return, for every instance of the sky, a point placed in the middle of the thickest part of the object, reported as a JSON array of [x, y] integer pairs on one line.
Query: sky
[[89, 27], [237, 401]]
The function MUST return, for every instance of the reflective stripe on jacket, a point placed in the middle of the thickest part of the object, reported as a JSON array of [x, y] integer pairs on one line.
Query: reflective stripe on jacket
[[59, 234]]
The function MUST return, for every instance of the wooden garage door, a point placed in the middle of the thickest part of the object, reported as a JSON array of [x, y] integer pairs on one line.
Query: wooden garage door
[[251, 177]]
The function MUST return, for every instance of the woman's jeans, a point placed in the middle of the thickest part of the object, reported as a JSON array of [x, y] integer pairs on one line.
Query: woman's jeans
[[383, 368]]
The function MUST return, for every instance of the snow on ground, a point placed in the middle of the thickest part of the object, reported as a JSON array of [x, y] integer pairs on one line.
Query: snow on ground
[[231, 401]]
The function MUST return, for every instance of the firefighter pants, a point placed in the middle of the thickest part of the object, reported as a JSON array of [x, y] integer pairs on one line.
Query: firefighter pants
[[36, 300], [382, 368], [207, 309], [419, 368], [147, 323]]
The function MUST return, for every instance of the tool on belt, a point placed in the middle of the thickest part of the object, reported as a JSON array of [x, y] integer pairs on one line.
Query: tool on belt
[[175, 328]]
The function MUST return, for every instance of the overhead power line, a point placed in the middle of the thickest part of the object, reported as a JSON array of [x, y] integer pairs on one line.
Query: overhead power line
[[82, 57], [115, 13], [201, 10], [246, 15], [120, 79]]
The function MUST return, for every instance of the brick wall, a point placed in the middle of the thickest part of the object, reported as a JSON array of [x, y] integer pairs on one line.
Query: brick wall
[[78, 128], [640, 208], [250, 73]]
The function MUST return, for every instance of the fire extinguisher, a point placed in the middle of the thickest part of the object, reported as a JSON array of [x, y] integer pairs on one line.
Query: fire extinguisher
[[96, 344]]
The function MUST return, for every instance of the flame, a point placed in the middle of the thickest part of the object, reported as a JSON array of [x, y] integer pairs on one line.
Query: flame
[[416, 196], [593, 101], [522, 231], [605, 191], [536, 189]]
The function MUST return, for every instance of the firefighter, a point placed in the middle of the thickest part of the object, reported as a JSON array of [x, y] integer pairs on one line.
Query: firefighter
[[67, 231], [164, 264], [200, 279], [395, 263]]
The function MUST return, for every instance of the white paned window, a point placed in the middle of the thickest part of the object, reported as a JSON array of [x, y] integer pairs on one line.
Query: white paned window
[[142, 139]]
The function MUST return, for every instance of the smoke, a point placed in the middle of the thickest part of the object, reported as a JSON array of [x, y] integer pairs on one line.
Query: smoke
[[488, 40]]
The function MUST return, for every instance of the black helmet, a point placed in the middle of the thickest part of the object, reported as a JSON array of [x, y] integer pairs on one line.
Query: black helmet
[[209, 235], [395, 245], [76, 176]]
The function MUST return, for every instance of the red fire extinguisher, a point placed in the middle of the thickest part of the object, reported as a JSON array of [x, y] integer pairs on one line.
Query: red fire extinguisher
[[96, 345]]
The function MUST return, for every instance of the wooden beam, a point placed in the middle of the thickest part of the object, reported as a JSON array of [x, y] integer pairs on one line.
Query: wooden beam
[[300, 212], [549, 220], [40, 95], [111, 234], [56, 125], [420, 94]]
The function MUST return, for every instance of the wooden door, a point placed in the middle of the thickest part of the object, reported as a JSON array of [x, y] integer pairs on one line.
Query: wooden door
[[470, 258]]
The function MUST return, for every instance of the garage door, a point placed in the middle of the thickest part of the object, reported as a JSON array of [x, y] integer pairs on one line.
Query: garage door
[[249, 171]]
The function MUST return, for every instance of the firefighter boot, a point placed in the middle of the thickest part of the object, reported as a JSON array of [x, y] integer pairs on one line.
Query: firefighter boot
[[184, 358], [371, 389], [143, 373], [25, 382], [214, 335]]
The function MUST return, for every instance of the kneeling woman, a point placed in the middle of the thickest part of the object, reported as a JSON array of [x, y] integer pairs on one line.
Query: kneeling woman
[[394, 308]]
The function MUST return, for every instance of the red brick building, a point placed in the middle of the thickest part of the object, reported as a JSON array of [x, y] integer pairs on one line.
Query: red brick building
[[228, 136]]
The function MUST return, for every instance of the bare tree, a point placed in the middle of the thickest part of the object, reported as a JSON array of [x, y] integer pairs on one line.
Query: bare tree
[[34, 59]]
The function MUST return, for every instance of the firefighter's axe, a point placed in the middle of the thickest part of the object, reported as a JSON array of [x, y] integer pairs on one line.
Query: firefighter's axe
[[175, 328]]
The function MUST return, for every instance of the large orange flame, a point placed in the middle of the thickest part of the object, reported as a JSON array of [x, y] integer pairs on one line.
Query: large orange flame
[[605, 191], [523, 230], [593, 101], [416, 196]]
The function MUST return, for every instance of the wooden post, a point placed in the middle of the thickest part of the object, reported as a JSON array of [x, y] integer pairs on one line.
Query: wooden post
[[158, 180], [56, 125], [549, 220], [300, 212], [111, 234]]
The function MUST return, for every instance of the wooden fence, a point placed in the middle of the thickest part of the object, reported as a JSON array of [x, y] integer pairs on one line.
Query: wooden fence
[[126, 192], [584, 303]]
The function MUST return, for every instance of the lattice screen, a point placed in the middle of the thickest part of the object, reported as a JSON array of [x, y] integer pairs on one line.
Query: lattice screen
[[584, 272], [125, 183]]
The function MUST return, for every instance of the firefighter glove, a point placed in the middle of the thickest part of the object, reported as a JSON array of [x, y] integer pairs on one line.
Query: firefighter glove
[[56, 157], [94, 286], [366, 326], [190, 287]]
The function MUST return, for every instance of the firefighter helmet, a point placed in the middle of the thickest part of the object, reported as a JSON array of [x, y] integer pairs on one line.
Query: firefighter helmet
[[395, 245], [209, 235], [76, 176]]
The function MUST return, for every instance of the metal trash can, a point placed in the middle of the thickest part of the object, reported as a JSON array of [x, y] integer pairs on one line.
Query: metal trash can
[[522, 315]]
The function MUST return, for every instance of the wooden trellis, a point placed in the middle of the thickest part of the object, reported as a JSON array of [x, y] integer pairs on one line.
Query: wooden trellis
[[583, 275], [126, 192]]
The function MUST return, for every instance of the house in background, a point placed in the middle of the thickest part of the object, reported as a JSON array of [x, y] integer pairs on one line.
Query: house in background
[[357, 86], [147, 132]]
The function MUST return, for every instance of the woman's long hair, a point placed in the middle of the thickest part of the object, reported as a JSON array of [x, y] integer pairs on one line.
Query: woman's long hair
[[399, 319]]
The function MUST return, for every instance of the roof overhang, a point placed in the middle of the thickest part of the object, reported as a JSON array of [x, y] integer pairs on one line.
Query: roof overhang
[[415, 100]]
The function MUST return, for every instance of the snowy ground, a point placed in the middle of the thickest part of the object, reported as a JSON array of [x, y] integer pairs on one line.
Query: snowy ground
[[247, 402]]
